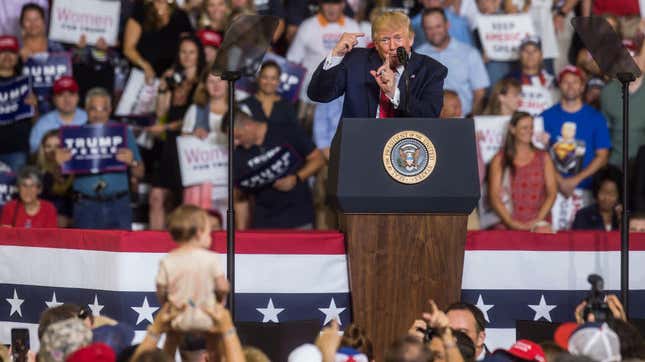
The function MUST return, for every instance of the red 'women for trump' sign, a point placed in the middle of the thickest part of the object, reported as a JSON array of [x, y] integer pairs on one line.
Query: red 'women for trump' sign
[[70, 19]]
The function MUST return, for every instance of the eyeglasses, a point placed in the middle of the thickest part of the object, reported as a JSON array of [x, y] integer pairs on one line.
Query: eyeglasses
[[398, 39]]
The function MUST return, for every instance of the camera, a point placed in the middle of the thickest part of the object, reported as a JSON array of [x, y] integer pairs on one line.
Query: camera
[[174, 80], [428, 334], [596, 304]]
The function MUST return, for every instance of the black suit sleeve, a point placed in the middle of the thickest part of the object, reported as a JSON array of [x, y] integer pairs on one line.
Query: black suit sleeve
[[429, 101], [327, 85]]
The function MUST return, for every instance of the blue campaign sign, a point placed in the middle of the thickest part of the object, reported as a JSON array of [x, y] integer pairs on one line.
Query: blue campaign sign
[[12, 100], [93, 147], [7, 187], [43, 69], [290, 81], [269, 167]]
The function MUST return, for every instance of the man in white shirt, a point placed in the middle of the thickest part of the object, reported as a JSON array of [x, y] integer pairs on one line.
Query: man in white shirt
[[318, 35]]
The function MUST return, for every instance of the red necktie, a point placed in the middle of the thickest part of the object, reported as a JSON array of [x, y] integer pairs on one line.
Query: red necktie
[[386, 109]]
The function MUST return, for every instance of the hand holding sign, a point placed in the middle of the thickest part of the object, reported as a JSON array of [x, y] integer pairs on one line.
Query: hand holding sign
[[93, 19], [501, 35], [94, 148], [14, 100], [125, 155]]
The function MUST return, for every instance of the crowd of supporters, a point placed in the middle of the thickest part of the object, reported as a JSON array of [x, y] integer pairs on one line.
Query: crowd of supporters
[[68, 332], [566, 151]]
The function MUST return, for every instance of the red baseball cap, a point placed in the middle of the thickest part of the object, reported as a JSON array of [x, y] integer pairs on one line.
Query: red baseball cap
[[210, 38], [65, 84], [527, 350], [571, 69], [97, 352], [9, 43], [562, 334]]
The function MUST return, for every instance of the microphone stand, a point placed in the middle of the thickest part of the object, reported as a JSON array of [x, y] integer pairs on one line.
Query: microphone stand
[[403, 60]]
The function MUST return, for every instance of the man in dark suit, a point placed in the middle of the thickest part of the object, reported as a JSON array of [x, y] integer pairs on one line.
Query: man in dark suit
[[373, 80]]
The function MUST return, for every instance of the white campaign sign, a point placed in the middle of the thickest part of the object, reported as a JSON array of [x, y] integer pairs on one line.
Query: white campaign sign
[[201, 161], [535, 99], [501, 35], [490, 131], [138, 98], [93, 18]]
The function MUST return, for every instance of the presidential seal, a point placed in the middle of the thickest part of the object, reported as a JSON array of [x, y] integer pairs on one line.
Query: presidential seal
[[409, 157]]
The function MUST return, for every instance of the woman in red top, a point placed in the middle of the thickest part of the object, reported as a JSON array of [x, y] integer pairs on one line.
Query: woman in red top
[[28, 210], [521, 184]]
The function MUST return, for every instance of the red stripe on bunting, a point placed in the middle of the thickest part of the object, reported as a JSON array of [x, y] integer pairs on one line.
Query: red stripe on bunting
[[247, 242], [302, 242], [562, 241]]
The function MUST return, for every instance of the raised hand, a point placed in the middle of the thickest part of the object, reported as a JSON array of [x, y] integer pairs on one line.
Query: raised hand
[[346, 43], [385, 78]]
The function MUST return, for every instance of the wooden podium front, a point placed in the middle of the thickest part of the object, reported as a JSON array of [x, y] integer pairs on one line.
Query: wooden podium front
[[396, 263], [405, 242]]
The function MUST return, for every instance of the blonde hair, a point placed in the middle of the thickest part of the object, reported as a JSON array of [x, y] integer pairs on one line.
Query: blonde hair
[[390, 20], [206, 22], [186, 221]]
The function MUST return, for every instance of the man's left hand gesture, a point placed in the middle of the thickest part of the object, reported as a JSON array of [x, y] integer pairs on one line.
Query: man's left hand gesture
[[385, 78]]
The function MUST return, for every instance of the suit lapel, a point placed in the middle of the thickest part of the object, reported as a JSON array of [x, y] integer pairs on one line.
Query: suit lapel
[[411, 70], [373, 62]]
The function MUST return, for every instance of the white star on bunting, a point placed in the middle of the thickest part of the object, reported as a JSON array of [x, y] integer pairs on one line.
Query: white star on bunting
[[542, 310], [15, 304], [484, 307], [53, 303], [332, 312], [96, 307], [145, 311], [270, 313]]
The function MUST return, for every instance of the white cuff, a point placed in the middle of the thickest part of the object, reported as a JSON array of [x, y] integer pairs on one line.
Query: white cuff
[[396, 99], [332, 61]]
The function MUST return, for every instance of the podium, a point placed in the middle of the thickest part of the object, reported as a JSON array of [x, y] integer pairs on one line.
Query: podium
[[404, 189]]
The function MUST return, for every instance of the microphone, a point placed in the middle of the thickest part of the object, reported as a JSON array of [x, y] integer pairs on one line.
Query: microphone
[[402, 55]]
